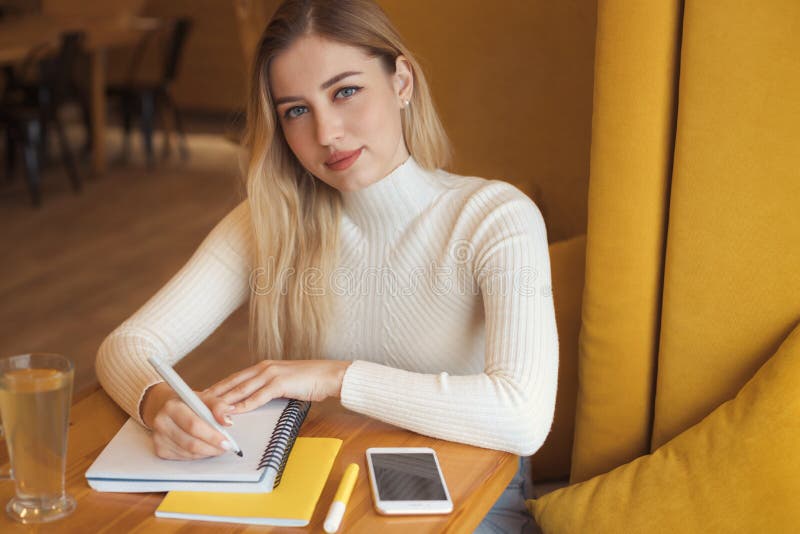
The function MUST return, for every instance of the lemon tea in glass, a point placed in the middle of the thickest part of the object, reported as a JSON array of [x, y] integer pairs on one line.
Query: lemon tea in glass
[[35, 397]]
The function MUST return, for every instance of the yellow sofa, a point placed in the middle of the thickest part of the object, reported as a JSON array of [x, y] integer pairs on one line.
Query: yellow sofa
[[691, 281]]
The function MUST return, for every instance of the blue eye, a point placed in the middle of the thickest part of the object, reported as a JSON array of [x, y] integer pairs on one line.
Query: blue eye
[[347, 92], [292, 113]]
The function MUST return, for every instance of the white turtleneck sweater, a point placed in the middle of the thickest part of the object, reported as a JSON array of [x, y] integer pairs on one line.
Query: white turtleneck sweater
[[442, 302]]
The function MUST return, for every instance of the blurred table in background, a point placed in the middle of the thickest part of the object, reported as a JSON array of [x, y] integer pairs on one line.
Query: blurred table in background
[[20, 36]]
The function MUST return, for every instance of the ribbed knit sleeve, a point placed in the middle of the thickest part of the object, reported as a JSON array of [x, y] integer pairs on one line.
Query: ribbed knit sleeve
[[211, 286], [510, 405]]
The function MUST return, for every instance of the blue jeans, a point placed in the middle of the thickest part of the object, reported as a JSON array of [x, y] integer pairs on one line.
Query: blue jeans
[[509, 513]]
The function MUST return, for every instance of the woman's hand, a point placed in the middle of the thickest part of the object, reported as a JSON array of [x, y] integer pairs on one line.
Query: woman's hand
[[312, 380], [178, 433]]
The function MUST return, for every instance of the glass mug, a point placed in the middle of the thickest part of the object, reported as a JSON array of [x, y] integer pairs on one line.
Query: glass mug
[[35, 397]]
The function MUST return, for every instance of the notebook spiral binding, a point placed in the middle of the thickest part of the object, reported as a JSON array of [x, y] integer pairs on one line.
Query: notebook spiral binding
[[283, 437]]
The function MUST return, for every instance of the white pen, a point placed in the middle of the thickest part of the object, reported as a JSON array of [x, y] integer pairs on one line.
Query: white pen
[[191, 399]]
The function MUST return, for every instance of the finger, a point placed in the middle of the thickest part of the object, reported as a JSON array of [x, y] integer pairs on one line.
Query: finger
[[164, 446], [189, 432], [248, 387], [167, 449], [220, 409], [182, 454], [225, 385], [172, 440], [193, 445], [258, 398]]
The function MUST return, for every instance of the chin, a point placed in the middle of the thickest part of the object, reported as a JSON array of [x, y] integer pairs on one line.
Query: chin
[[352, 184], [355, 180], [348, 187]]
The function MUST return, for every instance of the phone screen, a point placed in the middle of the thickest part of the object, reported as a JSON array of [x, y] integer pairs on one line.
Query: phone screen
[[407, 477]]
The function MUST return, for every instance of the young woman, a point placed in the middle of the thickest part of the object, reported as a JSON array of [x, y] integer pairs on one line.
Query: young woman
[[416, 296]]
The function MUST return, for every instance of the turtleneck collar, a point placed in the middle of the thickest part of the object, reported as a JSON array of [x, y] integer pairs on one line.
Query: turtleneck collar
[[393, 201]]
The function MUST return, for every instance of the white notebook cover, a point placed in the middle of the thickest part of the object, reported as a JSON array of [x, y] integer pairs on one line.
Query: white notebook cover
[[129, 463]]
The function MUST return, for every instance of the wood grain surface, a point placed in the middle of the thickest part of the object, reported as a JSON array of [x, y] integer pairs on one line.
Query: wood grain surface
[[475, 477]]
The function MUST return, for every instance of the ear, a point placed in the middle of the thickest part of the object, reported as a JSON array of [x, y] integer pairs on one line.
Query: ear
[[403, 80]]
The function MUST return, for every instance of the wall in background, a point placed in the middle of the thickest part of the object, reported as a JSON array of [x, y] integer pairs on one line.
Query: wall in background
[[512, 80]]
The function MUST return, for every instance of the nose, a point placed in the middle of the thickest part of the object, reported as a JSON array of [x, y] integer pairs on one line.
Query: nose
[[329, 126]]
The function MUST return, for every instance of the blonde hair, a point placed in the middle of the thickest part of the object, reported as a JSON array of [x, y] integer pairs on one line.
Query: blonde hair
[[295, 216]]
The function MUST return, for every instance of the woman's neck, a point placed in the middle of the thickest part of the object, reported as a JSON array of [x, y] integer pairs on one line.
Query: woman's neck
[[390, 203]]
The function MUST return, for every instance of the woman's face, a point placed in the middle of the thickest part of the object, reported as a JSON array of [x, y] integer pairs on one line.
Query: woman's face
[[340, 110]]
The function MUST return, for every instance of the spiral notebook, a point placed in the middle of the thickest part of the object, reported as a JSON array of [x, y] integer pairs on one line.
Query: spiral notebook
[[265, 435]]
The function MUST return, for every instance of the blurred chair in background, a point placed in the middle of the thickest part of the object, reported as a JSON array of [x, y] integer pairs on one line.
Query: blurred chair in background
[[15, 8], [149, 100], [28, 113], [32, 82]]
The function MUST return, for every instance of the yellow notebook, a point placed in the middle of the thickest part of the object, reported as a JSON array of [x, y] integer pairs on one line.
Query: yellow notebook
[[291, 504]]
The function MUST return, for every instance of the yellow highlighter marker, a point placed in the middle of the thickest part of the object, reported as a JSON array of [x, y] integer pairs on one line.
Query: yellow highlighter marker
[[339, 504]]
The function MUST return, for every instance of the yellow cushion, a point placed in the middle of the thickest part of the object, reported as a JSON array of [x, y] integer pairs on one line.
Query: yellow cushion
[[738, 470]]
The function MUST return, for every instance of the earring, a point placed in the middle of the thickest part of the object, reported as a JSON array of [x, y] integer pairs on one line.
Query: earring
[[406, 103]]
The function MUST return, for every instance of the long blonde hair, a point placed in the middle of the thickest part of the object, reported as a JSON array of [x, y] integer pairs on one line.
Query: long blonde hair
[[295, 216]]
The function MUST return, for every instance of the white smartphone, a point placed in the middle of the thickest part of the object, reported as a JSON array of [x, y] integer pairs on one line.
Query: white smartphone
[[407, 480]]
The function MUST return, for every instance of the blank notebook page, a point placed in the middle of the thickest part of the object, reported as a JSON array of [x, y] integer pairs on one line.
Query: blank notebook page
[[130, 455]]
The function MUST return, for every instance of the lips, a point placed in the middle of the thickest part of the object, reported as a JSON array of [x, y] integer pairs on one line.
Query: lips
[[342, 160]]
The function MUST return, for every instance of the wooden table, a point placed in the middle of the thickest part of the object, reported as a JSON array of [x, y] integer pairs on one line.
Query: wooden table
[[19, 36], [476, 478]]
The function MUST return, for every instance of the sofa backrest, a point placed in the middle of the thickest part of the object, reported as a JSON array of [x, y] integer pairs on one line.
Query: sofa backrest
[[636, 61], [693, 239], [732, 272]]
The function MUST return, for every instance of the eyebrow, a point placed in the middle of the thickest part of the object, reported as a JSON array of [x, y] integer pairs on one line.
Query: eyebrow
[[325, 85]]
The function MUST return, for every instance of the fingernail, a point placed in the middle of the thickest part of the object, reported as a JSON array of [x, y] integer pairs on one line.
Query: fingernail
[[229, 409], [228, 421], [226, 445]]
